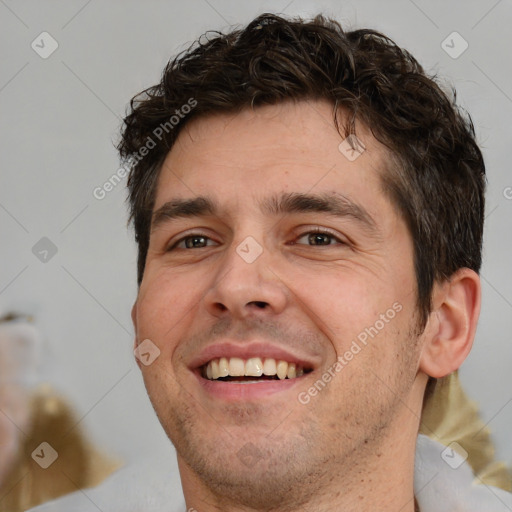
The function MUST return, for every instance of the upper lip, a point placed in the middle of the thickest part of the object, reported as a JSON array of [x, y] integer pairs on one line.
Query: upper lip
[[251, 349]]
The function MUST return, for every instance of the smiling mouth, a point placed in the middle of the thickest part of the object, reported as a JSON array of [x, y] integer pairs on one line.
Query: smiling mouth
[[254, 369]]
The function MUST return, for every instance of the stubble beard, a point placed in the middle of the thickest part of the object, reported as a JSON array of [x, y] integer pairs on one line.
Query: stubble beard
[[291, 463], [296, 459]]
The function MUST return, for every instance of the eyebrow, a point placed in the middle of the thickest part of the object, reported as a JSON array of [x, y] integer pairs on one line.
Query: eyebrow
[[183, 208], [337, 205]]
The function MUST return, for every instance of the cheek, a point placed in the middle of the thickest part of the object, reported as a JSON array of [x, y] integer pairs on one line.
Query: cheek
[[364, 318], [166, 305], [342, 302]]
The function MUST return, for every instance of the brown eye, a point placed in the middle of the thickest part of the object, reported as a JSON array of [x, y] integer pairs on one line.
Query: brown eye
[[195, 241], [319, 238], [192, 242]]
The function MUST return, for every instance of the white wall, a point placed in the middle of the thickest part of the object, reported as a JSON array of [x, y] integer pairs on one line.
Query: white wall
[[60, 117]]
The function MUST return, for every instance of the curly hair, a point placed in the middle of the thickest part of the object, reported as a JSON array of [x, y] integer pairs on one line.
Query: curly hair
[[434, 173]]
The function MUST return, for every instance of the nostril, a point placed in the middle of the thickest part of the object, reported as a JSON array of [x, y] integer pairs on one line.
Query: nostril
[[259, 303]]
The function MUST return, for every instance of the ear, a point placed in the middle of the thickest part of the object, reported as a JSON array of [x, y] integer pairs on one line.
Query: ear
[[451, 325], [134, 322]]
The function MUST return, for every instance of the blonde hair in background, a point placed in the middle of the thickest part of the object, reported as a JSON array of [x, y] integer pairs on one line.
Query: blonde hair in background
[[78, 465], [29, 418], [450, 416]]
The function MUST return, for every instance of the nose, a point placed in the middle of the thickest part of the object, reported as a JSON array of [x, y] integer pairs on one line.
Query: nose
[[242, 288]]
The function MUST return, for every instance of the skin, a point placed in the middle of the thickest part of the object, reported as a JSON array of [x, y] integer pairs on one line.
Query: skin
[[351, 447]]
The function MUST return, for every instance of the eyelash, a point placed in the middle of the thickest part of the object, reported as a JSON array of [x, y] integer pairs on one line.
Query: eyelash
[[318, 231]]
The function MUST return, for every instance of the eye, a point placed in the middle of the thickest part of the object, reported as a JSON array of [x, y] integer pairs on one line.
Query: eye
[[192, 242], [319, 238]]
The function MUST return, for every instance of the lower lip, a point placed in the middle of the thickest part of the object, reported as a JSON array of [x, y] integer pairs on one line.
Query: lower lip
[[234, 391]]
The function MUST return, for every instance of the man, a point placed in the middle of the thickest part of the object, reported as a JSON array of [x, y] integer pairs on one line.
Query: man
[[308, 207]]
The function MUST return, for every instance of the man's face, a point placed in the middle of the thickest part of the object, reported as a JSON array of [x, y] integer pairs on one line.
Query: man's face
[[292, 253]]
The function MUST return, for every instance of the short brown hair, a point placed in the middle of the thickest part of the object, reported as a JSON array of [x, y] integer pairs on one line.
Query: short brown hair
[[436, 173]]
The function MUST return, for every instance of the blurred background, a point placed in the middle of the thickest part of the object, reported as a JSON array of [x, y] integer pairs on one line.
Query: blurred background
[[68, 258]]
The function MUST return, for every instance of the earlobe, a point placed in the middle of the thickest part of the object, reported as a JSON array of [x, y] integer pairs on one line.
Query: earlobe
[[452, 323]]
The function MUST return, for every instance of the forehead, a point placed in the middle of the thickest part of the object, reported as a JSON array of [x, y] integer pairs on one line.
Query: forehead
[[291, 147]]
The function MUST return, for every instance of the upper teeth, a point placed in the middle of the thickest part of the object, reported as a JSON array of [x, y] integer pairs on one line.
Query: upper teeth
[[253, 367]]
